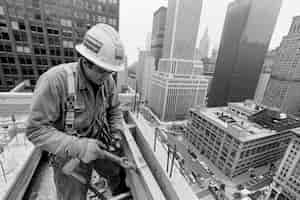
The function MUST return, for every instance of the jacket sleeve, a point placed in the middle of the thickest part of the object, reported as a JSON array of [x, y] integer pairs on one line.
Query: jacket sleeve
[[114, 112], [45, 110]]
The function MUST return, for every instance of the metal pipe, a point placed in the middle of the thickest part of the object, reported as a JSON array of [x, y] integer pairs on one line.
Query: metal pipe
[[173, 159], [155, 138], [168, 156]]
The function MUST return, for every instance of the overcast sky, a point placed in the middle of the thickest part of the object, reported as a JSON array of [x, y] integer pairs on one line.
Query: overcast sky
[[136, 21]]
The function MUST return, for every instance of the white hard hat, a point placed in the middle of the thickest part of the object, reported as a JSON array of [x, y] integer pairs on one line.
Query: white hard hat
[[102, 46]]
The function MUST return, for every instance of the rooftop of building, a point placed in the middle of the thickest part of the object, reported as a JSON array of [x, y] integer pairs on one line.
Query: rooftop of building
[[247, 105], [262, 123]]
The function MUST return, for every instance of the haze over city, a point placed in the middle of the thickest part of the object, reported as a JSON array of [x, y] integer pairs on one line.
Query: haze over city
[[136, 22]]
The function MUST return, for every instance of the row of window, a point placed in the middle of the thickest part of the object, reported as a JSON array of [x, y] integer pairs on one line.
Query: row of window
[[26, 60]]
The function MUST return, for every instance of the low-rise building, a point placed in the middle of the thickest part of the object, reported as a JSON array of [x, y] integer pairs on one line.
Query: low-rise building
[[240, 136], [286, 184]]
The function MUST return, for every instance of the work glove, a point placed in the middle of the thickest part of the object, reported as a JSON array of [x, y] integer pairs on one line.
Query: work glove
[[86, 149], [91, 150]]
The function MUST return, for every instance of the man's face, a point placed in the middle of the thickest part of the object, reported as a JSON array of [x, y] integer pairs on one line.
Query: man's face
[[95, 73]]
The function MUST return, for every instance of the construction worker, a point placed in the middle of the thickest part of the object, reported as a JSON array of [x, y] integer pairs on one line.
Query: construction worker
[[75, 111]]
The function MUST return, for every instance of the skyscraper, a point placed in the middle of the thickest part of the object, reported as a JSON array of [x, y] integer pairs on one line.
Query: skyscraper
[[244, 43], [38, 34], [178, 84], [158, 31], [265, 76], [286, 183], [283, 88], [144, 72], [203, 48]]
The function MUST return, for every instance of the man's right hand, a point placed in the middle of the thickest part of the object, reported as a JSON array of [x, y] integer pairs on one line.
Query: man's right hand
[[90, 150]]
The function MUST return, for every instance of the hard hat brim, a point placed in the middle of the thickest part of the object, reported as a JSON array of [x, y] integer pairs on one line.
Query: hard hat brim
[[91, 56]]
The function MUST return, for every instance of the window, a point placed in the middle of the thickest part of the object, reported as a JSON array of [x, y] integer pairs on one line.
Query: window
[[68, 52], [27, 70], [41, 61], [68, 44], [4, 36], [53, 40], [101, 19], [67, 33], [3, 24], [39, 50], [54, 51], [15, 25], [20, 36], [66, 22], [53, 31], [1, 10], [37, 39], [7, 59], [25, 60], [55, 61], [36, 28], [23, 49], [9, 69], [5, 47]]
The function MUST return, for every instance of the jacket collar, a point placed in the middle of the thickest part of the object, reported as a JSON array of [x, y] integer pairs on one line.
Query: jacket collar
[[83, 81]]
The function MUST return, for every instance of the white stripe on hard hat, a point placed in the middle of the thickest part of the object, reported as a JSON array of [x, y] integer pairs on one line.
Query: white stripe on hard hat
[[102, 46]]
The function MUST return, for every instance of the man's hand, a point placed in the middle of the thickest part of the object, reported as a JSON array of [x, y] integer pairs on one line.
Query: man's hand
[[90, 150]]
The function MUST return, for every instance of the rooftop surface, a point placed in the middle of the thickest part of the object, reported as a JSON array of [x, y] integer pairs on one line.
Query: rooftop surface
[[248, 106], [243, 129]]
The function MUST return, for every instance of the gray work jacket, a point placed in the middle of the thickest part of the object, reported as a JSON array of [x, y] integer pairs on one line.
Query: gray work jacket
[[45, 126]]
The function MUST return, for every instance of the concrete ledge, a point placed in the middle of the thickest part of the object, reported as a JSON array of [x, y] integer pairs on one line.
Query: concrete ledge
[[18, 186]]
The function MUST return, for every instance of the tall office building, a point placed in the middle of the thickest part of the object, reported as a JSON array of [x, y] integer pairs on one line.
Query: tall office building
[[158, 31], [178, 84], [244, 43], [283, 89], [144, 73], [203, 48], [148, 42], [38, 34], [265, 76], [122, 77], [286, 183]]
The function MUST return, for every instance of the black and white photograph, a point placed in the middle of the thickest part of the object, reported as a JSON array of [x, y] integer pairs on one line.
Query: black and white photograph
[[149, 100]]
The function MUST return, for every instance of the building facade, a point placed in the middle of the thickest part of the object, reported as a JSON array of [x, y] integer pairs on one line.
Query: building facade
[[144, 71], [286, 183], [203, 48], [122, 77], [38, 34], [158, 31], [265, 76], [283, 88], [178, 84], [240, 136], [244, 43], [173, 94]]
